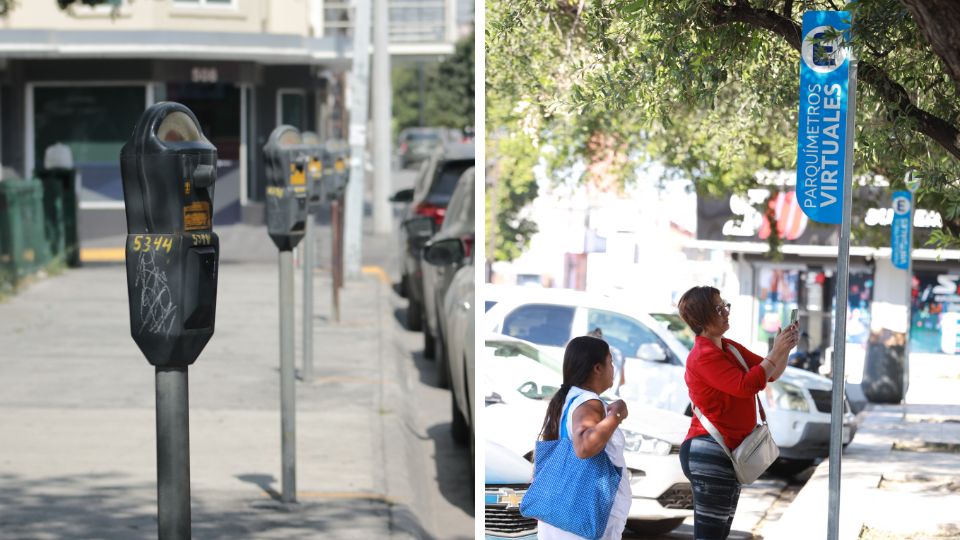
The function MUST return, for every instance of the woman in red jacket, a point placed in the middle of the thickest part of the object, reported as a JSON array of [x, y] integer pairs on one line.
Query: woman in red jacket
[[725, 394]]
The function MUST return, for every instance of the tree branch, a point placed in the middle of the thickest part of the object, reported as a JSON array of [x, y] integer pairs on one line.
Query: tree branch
[[938, 129], [787, 9]]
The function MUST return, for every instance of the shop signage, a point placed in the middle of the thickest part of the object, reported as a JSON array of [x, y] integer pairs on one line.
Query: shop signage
[[900, 229], [821, 147]]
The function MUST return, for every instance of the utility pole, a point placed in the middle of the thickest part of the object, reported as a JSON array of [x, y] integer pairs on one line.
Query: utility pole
[[359, 87]]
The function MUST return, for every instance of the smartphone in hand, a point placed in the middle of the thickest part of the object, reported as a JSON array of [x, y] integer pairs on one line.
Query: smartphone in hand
[[794, 315]]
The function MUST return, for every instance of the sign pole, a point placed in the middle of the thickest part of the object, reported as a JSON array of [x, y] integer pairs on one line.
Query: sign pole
[[843, 289], [912, 185]]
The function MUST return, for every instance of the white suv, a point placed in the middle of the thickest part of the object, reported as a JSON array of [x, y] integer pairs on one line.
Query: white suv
[[797, 404]]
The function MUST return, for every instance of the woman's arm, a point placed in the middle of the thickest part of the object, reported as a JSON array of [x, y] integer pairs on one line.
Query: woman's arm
[[592, 428]]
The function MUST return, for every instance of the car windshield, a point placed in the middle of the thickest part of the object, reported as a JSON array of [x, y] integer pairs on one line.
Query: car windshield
[[422, 136], [446, 181], [675, 325], [524, 352]]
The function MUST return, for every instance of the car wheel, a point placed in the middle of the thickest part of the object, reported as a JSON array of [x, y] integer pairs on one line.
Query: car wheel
[[650, 527], [414, 318], [443, 367], [429, 343], [458, 426], [787, 468]]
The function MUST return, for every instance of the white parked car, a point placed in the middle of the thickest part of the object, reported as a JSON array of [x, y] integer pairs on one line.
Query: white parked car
[[506, 478], [519, 381], [797, 404], [458, 337]]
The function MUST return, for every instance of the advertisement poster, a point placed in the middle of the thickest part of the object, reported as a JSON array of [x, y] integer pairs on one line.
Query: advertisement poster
[[935, 313], [859, 298]]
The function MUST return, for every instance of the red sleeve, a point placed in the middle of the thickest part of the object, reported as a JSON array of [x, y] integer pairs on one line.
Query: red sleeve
[[719, 371]]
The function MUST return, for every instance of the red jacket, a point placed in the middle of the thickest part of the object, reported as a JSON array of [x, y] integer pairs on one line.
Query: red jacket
[[722, 389]]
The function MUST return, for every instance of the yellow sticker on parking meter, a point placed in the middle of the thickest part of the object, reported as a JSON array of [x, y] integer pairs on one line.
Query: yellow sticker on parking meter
[[196, 216], [316, 167], [339, 166], [297, 176]]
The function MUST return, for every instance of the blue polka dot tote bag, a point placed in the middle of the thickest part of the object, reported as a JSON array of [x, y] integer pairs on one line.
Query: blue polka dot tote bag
[[570, 493]]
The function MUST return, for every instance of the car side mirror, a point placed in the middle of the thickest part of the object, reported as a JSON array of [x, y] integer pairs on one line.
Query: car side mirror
[[419, 226], [443, 252], [652, 352], [402, 196]]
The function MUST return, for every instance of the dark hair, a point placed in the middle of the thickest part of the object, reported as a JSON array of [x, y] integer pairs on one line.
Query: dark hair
[[697, 309], [581, 355]]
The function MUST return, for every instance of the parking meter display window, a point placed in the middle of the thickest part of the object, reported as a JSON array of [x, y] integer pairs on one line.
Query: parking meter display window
[[172, 254]]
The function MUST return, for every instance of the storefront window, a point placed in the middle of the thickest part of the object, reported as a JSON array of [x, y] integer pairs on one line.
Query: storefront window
[[95, 122], [935, 313], [777, 295]]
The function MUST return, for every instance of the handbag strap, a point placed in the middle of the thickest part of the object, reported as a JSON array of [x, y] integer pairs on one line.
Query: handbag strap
[[563, 418], [736, 353]]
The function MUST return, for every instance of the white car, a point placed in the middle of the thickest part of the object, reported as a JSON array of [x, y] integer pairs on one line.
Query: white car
[[518, 383], [797, 404]]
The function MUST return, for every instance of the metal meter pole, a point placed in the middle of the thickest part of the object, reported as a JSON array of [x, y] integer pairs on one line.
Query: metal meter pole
[[912, 185], [287, 389], [173, 454], [308, 297]]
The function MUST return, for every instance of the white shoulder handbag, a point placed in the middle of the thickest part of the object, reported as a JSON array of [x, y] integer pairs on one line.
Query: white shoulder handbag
[[757, 451]]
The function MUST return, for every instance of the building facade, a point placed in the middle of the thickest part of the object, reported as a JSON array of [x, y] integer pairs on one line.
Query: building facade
[[82, 77]]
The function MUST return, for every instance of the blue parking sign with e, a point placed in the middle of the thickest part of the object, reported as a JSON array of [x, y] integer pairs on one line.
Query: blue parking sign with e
[[821, 148], [900, 229]]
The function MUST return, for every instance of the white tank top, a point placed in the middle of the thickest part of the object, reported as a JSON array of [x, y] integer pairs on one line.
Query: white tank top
[[621, 503]]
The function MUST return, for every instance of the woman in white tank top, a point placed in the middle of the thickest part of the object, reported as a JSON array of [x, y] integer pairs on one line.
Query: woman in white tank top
[[592, 426]]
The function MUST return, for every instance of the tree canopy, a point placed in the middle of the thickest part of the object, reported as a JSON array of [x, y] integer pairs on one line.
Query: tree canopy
[[448, 90], [710, 88]]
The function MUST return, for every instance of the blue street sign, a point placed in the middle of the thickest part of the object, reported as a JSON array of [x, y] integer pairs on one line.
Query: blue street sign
[[821, 147], [900, 230]]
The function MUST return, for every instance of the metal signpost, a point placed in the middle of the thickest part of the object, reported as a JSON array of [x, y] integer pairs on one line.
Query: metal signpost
[[359, 87], [286, 160], [901, 244], [828, 91], [172, 256]]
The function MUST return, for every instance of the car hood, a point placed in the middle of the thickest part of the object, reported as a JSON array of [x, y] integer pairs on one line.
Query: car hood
[[505, 467], [660, 423], [805, 379]]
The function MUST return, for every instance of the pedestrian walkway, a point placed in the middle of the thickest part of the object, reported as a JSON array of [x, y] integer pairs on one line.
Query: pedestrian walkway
[[900, 475]]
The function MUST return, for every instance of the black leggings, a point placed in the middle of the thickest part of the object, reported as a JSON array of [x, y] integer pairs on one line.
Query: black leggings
[[715, 487]]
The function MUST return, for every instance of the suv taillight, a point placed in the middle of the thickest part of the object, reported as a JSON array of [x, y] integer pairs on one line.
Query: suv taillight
[[467, 242], [432, 211]]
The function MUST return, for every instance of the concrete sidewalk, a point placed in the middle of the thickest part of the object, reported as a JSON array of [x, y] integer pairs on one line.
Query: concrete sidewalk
[[77, 458], [900, 477]]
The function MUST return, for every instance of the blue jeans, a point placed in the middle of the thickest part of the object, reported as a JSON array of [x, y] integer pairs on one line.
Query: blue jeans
[[715, 487]]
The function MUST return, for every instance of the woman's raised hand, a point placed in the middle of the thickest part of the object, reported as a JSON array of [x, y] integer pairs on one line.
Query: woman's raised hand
[[787, 338], [619, 409]]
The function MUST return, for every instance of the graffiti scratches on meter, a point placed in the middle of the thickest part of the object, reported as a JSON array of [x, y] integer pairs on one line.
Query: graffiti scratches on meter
[[157, 311]]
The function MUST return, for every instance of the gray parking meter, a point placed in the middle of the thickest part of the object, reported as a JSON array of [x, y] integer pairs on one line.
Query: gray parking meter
[[317, 159], [336, 169], [169, 169], [286, 160]]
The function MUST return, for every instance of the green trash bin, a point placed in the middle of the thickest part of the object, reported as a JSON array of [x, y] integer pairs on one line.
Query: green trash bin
[[60, 205], [23, 246]]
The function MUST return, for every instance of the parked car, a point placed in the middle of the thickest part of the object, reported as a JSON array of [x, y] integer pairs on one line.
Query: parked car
[[448, 250], [415, 144], [423, 216], [458, 334], [519, 381], [506, 479], [797, 404]]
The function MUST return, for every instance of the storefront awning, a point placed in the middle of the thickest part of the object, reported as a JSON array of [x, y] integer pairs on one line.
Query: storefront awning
[[173, 45]]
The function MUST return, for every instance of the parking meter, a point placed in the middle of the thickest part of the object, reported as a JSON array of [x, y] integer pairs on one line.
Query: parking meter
[[172, 254], [336, 169], [317, 159], [287, 160]]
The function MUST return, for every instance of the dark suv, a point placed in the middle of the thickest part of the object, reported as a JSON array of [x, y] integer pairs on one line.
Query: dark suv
[[428, 205]]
